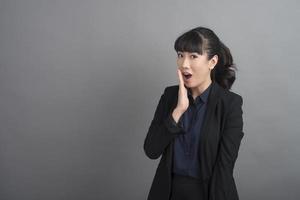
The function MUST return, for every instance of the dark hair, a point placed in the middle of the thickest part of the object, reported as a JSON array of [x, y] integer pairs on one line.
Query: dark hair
[[202, 40]]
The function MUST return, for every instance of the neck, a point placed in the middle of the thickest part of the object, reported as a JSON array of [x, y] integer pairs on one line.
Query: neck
[[196, 91]]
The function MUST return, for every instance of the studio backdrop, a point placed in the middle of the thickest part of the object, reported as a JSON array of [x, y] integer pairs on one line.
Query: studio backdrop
[[79, 82]]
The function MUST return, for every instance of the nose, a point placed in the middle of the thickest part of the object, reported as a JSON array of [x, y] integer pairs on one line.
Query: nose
[[185, 64]]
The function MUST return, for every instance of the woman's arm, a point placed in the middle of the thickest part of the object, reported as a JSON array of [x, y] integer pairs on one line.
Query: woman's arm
[[161, 131], [222, 185]]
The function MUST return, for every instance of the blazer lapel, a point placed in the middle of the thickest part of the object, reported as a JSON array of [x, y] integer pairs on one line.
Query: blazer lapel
[[211, 105]]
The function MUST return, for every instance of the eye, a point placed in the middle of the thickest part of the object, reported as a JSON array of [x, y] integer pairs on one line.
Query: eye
[[179, 55], [194, 56]]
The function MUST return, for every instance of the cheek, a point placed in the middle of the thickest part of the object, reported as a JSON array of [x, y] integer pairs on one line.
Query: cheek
[[178, 63], [201, 71]]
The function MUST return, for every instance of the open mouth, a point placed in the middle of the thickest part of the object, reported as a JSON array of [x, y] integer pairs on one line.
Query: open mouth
[[187, 75]]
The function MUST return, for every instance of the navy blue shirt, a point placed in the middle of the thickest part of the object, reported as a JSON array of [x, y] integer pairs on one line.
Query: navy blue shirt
[[185, 156]]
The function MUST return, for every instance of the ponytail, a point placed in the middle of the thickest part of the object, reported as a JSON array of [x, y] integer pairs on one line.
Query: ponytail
[[224, 72]]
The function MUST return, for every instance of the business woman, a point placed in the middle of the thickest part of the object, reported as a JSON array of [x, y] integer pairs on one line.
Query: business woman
[[197, 127]]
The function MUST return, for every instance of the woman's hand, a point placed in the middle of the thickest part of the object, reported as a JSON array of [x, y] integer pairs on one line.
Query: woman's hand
[[183, 101]]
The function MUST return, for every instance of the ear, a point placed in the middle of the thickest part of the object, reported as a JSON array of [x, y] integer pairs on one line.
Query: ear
[[213, 61]]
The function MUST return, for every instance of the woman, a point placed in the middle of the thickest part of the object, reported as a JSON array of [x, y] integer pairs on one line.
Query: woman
[[197, 126]]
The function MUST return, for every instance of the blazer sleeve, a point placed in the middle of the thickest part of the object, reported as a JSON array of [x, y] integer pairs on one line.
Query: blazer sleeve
[[162, 130], [222, 185]]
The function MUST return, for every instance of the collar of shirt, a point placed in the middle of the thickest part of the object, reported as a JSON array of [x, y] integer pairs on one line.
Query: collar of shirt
[[202, 98]]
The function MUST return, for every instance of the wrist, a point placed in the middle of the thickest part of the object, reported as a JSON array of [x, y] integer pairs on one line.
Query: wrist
[[176, 114]]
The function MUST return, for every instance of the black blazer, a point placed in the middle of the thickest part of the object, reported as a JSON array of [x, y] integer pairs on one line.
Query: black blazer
[[220, 139]]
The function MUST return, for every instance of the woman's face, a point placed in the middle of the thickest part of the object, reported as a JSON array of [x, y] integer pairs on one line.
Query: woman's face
[[195, 68]]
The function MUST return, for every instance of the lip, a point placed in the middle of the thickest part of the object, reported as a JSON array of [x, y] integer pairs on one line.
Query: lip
[[186, 73], [187, 76]]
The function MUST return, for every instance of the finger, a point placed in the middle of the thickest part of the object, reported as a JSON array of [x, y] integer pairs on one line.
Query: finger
[[181, 83]]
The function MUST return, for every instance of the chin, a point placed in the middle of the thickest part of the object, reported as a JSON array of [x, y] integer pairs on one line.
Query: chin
[[189, 85]]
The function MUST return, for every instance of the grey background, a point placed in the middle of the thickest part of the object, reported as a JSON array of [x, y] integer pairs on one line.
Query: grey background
[[79, 82]]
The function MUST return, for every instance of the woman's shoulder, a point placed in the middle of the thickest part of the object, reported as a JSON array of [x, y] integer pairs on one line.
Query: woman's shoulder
[[171, 89], [231, 95], [231, 100]]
